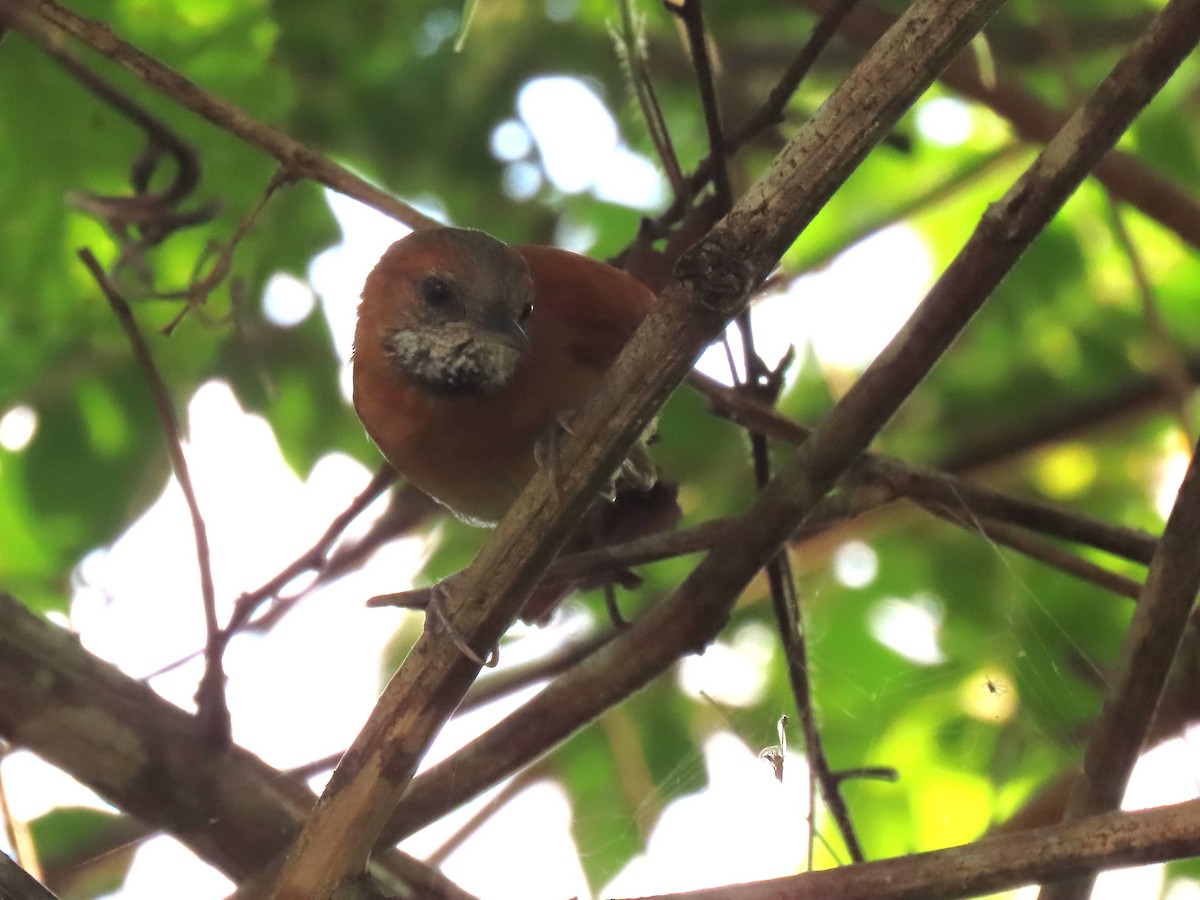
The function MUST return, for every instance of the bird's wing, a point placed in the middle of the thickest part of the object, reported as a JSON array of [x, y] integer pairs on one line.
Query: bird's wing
[[599, 307]]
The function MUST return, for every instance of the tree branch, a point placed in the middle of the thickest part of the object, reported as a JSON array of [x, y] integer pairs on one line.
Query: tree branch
[[1125, 176], [210, 696], [1150, 647], [147, 757], [990, 866], [17, 884], [713, 283], [298, 160], [694, 614]]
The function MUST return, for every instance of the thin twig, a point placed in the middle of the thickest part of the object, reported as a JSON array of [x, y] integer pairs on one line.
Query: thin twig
[[1150, 647], [518, 783], [925, 483], [763, 382], [315, 556], [299, 161], [764, 385], [198, 291], [210, 696], [631, 49], [312, 559], [691, 12], [768, 114], [1165, 353], [771, 112], [1055, 557], [1127, 177]]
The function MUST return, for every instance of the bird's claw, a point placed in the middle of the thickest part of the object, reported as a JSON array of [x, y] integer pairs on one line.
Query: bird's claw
[[441, 622], [637, 470]]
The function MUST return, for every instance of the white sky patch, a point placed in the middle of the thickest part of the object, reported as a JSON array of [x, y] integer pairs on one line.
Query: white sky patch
[[35, 787], [17, 427], [484, 866], [338, 274], [511, 141], [745, 826], [1182, 889], [1170, 477], [573, 129], [945, 121], [580, 146], [629, 179], [856, 305], [287, 300], [195, 881], [848, 310], [910, 627], [855, 564], [733, 673], [521, 180]]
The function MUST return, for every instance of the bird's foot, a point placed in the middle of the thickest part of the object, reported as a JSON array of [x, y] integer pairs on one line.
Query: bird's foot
[[436, 617], [636, 470]]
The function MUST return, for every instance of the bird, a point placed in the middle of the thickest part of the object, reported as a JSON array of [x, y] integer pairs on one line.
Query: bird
[[470, 358]]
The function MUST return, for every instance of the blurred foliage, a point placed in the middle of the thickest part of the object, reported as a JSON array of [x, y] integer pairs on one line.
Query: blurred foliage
[[1021, 652]]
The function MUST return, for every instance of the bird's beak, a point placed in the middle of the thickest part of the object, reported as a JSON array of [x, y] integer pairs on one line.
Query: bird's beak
[[505, 330]]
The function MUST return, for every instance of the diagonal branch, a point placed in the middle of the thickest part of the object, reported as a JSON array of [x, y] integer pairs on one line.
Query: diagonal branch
[[1150, 647], [713, 282], [210, 697], [696, 611], [1126, 177], [990, 866], [17, 884], [298, 160], [147, 756]]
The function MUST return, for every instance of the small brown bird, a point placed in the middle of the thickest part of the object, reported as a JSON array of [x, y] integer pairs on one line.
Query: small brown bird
[[469, 354]]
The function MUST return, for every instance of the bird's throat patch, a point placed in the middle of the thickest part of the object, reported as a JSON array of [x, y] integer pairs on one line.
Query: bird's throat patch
[[452, 359]]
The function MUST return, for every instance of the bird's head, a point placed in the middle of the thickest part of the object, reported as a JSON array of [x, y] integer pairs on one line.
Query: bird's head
[[448, 307]]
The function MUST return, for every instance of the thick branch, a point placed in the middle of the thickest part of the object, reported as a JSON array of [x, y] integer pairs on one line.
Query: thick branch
[[1125, 176], [716, 277], [993, 865], [1150, 647], [695, 613], [17, 884], [147, 757]]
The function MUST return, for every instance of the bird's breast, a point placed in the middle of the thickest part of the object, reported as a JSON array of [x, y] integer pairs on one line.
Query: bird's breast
[[471, 452]]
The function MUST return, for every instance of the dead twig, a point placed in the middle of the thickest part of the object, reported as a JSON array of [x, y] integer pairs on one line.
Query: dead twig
[[210, 696]]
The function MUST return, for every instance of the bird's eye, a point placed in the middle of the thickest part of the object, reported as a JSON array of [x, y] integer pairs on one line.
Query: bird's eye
[[525, 313], [437, 291]]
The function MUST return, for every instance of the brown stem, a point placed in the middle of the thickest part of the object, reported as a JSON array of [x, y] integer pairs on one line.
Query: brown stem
[[17, 884], [1126, 176], [770, 113], [109, 731], [691, 12], [314, 557], [714, 279], [632, 49], [991, 866], [1150, 647], [298, 160], [1055, 557], [210, 696], [695, 612]]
